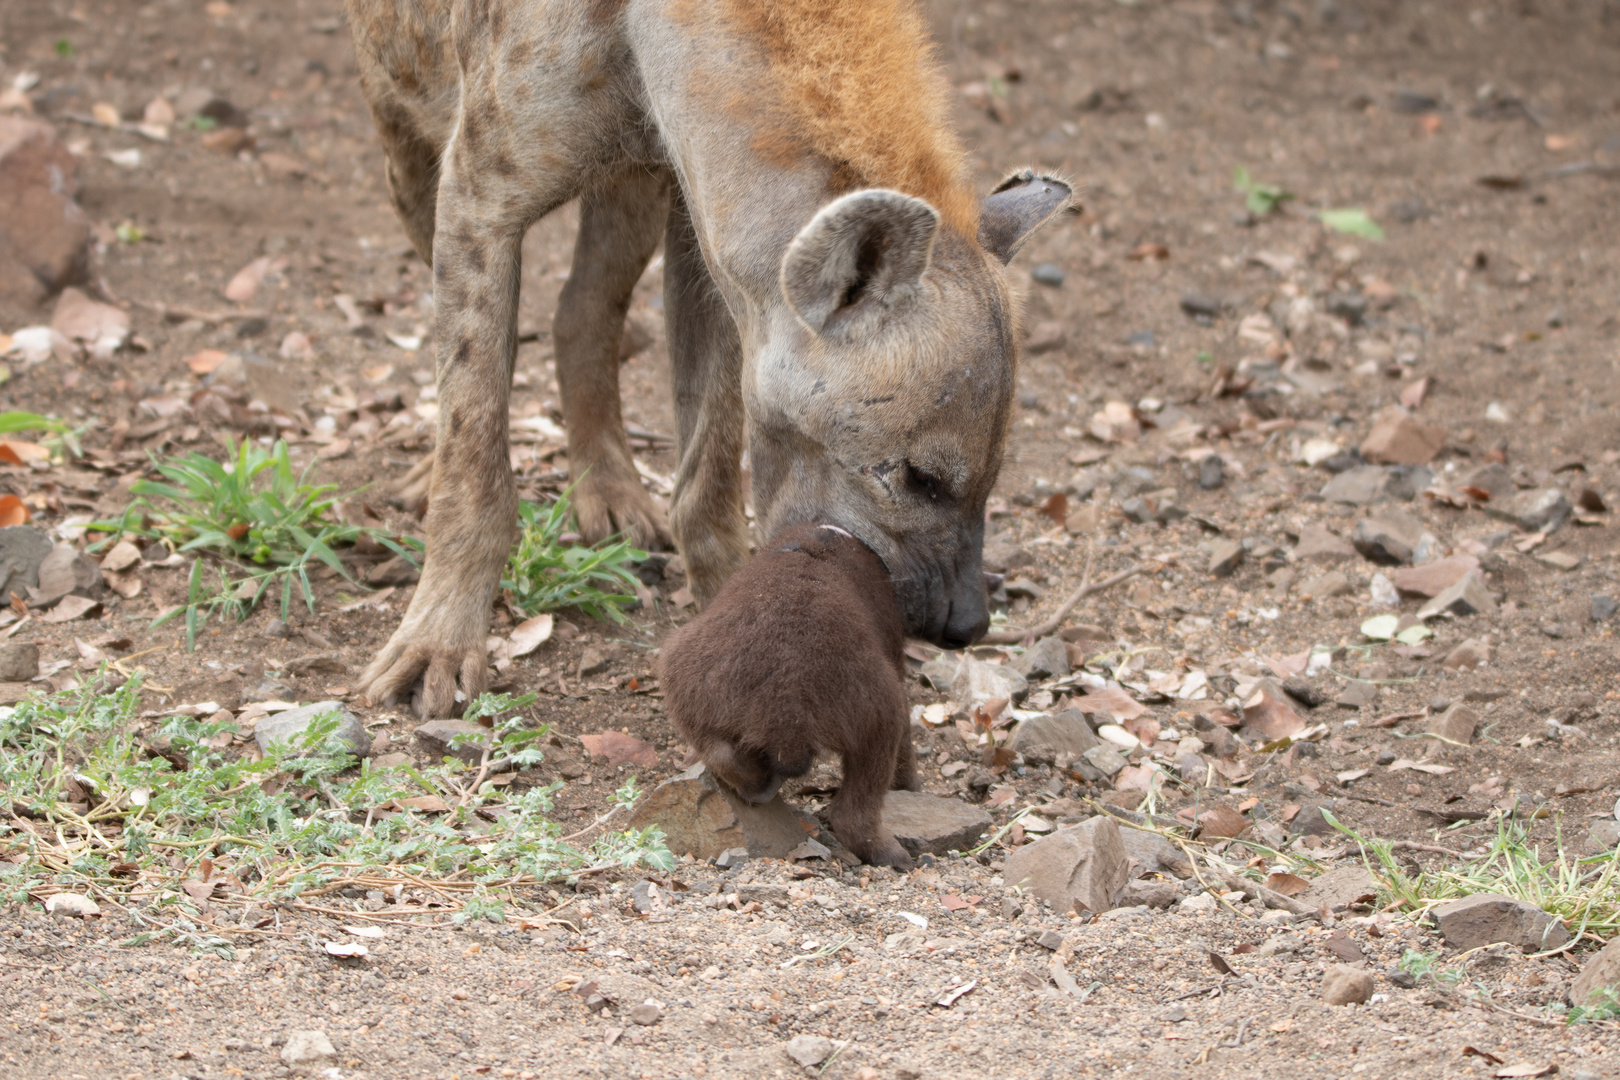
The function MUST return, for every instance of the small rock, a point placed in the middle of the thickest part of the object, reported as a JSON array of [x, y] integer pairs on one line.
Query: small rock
[[1467, 597], [1305, 692], [1339, 888], [1349, 306], [645, 897], [1158, 895], [1487, 918], [1150, 853], [1391, 539], [1604, 607], [1310, 822], [1398, 438], [595, 659], [1023, 587], [1346, 985], [931, 824], [1002, 556], [647, 1014], [1225, 556], [72, 905], [270, 689], [1041, 739], [1049, 940], [1541, 510], [809, 1050], [1202, 304], [19, 661], [1318, 544], [938, 674], [395, 571], [1357, 694], [1211, 472], [1267, 714], [703, 818], [1493, 479], [1433, 578], [1047, 658], [307, 1049], [1105, 759], [1360, 486], [731, 857], [22, 549], [1603, 837], [1332, 583], [1083, 865], [1046, 337], [1200, 904], [1399, 976], [1456, 724], [1599, 974], [287, 726], [977, 681], [435, 737], [1192, 769], [1468, 655], [1049, 274]]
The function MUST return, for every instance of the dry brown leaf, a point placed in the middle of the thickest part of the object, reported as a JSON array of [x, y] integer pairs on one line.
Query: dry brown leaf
[[1271, 718], [14, 452], [204, 362], [13, 511], [1287, 884], [1221, 822], [247, 280], [70, 608], [1113, 701]]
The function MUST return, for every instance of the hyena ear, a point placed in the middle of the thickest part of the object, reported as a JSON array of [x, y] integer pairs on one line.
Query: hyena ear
[[860, 257], [1017, 207]]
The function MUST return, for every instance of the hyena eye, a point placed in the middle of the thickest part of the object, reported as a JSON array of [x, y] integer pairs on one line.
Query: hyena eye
[[924, 482]]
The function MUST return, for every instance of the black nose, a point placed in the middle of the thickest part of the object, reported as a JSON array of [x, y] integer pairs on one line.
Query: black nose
[[965, 624]]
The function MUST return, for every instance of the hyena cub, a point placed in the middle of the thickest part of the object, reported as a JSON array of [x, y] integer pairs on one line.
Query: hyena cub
[[801, 652]]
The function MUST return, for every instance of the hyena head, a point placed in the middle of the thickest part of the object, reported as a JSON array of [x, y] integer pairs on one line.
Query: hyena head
[[880, 400]]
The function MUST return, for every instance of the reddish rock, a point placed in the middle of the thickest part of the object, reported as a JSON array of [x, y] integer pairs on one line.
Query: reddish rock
[[1467, 656], [1398, 438], [44, 235], [1432, 579], [1456, 724]]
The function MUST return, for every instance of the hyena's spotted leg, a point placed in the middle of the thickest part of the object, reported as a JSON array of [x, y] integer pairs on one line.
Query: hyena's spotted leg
[[705, 353], [619, 224], [482, 214]]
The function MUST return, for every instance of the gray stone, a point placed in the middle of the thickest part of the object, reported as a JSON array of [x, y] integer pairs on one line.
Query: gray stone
[[1081, 867], [1041, 739], [1488, 918], [307, 1049], [1305, 692], [1318, 544], [1104, 758], [1225, 556], [1003, 556], [1357, 694], [66, 571], [931, 824], [1467, 597], [1604, 607], [1346, 985], [19, 661], [703, 818], [287, 726], [22, 549], [1541, 510], [1339, 888], [731, 857], [1349, 306], [1211, 471], [1192, 769], [646, 1014], [1154, 894], [809, 1050], [938, 674], [1134, 481], [1391, 539], [1361, 486], [1151, 853], [1046, 658], [1136, 509], [1456, 724], [1598, 983], [270, 689], [977, 681], [595, 659], [1332, 583], [1050, 940], [1310, 822], [1049, 274], [435, 736], [1603, 836], [1403, 483], [644, 897], [44, 233]]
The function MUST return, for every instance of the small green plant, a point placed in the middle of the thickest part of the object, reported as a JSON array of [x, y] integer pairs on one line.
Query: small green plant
[[98, 811], [202, 123], [129, 233], [261, 520], [1353, 221], [1606, 1006], [1261, 199], [547, 571], [64, 48], [1422, 965]]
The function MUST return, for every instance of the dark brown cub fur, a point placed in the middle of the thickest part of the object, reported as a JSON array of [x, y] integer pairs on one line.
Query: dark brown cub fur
[[801, 652]]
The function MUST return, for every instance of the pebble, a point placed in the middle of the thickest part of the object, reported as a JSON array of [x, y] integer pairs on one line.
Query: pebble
[[930, 824], [648, 1013], [1391, 539], [1319, 544], [1201, 904], [1487, 918], [1600, 973], [1604, 607], [1049, 274], [706, 819], [1357, 694], [1467, 597], [1225, 556], [72, 905], [19, 661], [307, 1049], [1399, 438], [287, 726], [1047, 658], [1541, 510], [435, 737], [1084, 865], [809, 1050], [1211, 472], [1346, 985]]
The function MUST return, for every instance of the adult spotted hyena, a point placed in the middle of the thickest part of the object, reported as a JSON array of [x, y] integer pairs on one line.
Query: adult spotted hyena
[[833, 287]]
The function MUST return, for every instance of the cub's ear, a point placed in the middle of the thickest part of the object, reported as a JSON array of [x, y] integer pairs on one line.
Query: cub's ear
[[1017, 207], [860, 257]]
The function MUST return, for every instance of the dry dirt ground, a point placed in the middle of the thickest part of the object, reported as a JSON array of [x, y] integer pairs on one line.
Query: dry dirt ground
[[1484, 138]]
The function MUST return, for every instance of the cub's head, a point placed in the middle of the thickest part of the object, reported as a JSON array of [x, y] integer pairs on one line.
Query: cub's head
[[880, 399]]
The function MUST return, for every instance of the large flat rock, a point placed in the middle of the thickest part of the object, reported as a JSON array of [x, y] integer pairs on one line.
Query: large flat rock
[[928, 823], [1084, 866], [703, 818], [1488, 918]]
